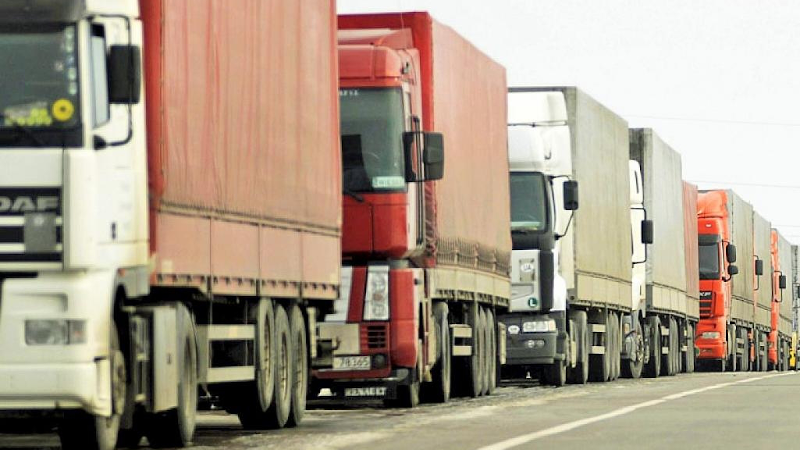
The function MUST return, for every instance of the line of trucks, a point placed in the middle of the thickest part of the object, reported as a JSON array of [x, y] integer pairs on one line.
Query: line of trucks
[[251, 204]]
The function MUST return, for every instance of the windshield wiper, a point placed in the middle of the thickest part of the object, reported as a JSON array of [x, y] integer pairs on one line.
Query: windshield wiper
[[23, 131], [350, 193]]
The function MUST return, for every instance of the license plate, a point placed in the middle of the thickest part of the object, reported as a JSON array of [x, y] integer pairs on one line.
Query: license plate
[[351, 363], [374, 391]]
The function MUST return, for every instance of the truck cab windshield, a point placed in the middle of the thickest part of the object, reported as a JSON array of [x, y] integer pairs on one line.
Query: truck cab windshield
[[529, 202], [372, 128], [38, 86], [709, 261]]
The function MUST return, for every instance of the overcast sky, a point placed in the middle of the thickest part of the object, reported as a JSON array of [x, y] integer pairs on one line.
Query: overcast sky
[[719, 80]]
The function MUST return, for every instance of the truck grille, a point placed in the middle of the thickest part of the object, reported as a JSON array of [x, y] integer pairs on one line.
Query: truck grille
[[705, 304], [374, 337], [31, 226]]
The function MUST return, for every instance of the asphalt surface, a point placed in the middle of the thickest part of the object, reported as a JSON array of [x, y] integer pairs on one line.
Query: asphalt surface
[[704, 410]]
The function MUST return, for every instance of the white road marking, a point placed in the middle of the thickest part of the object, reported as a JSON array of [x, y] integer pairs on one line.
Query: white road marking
[[526, 438]]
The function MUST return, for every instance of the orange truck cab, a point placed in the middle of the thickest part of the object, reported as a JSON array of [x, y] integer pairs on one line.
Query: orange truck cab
[[717, 255]]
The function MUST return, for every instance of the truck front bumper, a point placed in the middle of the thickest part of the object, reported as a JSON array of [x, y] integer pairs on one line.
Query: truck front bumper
[[367, 388], [711, 349], [53, 387], [534, 348], [46, 376]]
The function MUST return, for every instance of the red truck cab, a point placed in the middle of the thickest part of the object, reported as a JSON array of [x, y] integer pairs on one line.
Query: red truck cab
[[385, 172], [716, 255]]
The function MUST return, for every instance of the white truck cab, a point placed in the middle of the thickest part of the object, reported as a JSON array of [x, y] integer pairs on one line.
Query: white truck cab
[[542, 200]]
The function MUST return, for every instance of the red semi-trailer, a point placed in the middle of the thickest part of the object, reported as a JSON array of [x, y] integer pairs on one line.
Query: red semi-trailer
[[187, 161], [425, 244]]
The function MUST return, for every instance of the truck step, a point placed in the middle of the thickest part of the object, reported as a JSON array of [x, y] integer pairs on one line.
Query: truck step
[[462, 350], [598, 328], [230, 374], [598, 350], [460, 331]]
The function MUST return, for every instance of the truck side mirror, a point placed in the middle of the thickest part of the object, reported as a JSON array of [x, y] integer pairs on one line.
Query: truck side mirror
[[433, 156], [782, 282], [125, 74], [730, 253], [759, 267], [571, 195], [733, 270], [647, 231]]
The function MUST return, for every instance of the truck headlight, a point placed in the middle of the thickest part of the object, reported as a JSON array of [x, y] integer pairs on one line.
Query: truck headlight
[[710, 335], [376, 299], [539, 326], [55, 332]]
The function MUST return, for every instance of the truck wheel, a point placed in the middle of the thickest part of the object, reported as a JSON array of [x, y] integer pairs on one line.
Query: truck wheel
[[667, 360], [256, 396], [407, 395], [491, 345], [439, 390], [746, 350], [732, 348], [474, 378], [632, 368], [744, 356], [612, 329], [580, 373], [600, 365], [653, 367], [175, 428], [82, 431], [617, 367], [690, 352], [676, 346], [297, 329], [485, 363], [277, 414], [756, 366]]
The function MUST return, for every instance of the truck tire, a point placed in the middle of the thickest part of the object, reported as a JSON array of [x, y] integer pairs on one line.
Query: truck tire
[[746, 357], [79, 430], [784, 356], [668, 360], [653, 367], [632, 367], [473, 381], [256, 396], [741, 334], [689, 357], [615, 346], [756, 366], [485, 363], [580, 373], [600, 365], [297, 329], [732, 348], [676, 346], [491, 326], [439, 390], [277, 414], [175, 428]]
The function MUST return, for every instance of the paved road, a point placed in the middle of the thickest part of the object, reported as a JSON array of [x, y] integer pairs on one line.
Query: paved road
[[725, 411]]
